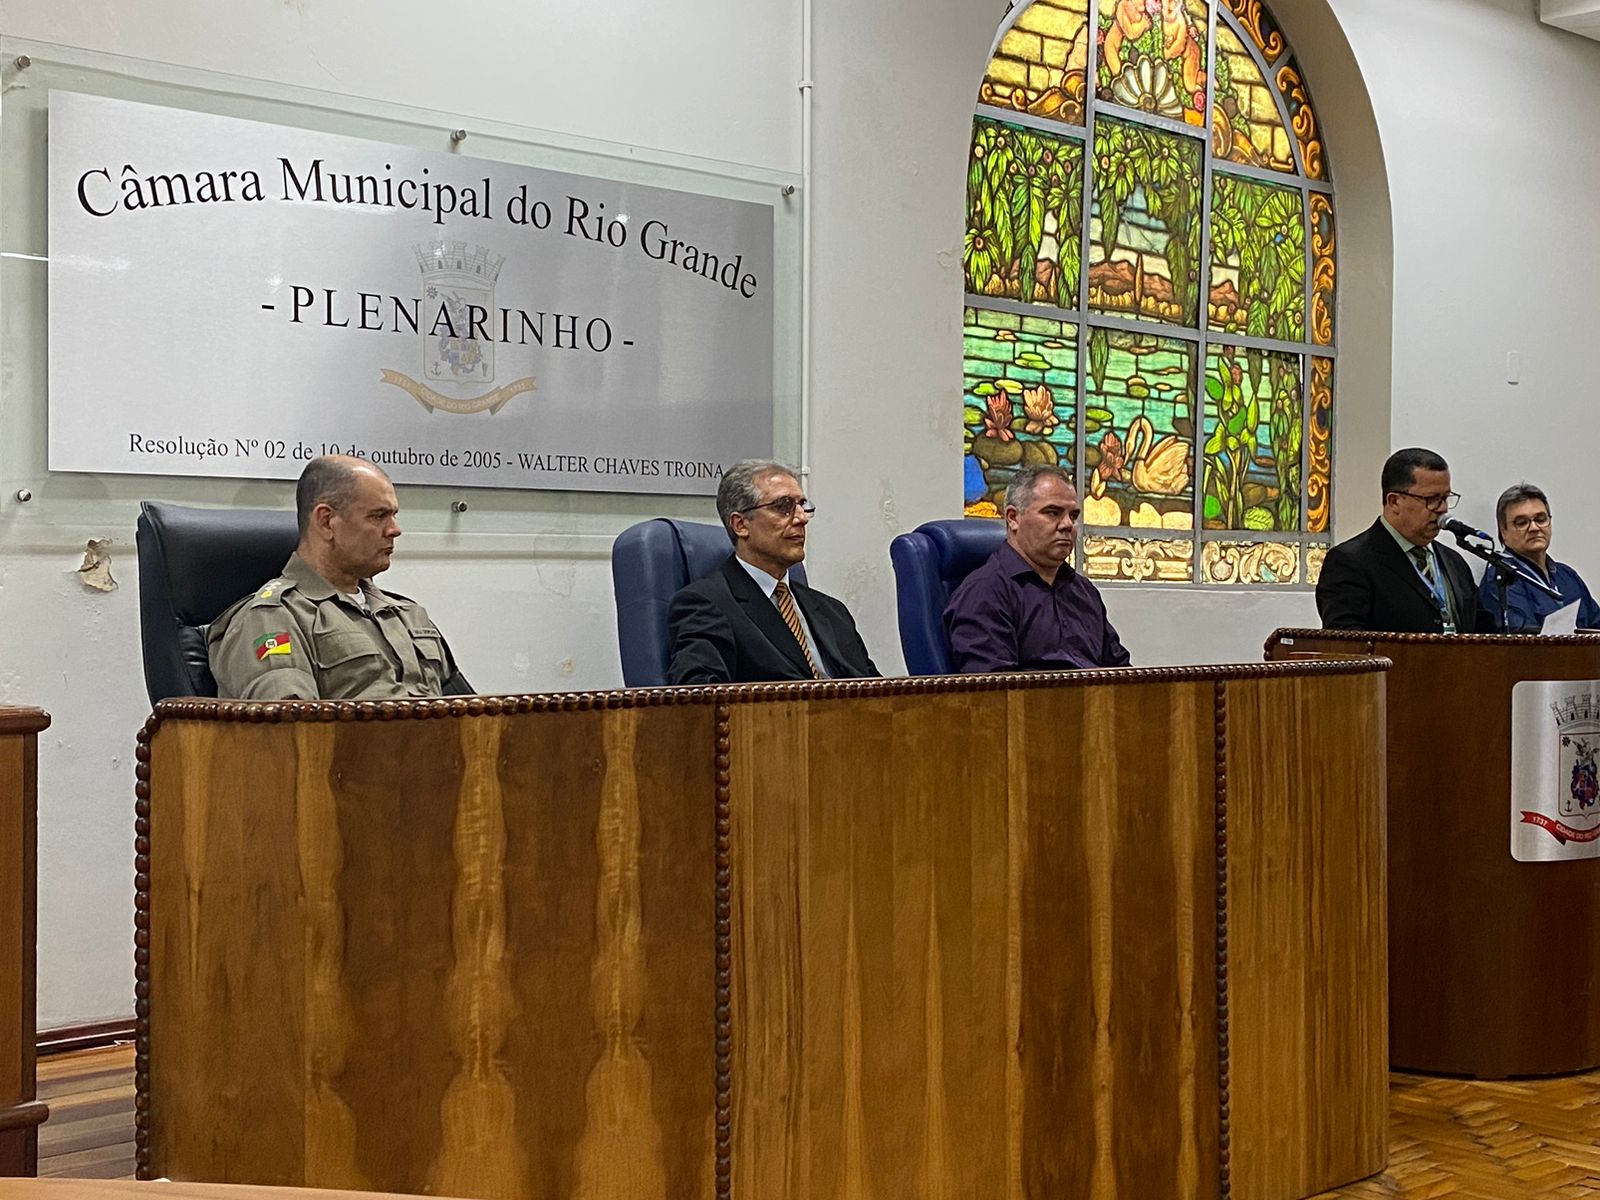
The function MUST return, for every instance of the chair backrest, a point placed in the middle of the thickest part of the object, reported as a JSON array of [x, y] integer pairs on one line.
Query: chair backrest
[[929, 564], [650, 563], [193, 563]]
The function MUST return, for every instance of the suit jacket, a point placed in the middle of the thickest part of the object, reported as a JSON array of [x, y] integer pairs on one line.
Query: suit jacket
[[723, 629], [1368, 582]]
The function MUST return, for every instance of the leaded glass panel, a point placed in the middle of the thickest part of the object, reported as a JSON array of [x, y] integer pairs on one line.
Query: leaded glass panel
[[1315, 553], [1042, 62], [1251, 562], [1024, 214], [1319, 478], [1145, 240], [1020, 382], [1253, 439], [1258, 258], [1246, 126], [1139, 431], [1323, 270], [1138, 560], [1153, 57], [1256, 21], [1151, 276]]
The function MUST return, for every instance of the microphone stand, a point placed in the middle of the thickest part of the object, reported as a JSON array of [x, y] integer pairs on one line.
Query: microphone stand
[[1505, 569]]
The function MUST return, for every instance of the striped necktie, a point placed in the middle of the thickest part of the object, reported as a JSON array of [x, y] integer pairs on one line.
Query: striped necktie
[[1441, 596], [791, 618], [1424, 562]]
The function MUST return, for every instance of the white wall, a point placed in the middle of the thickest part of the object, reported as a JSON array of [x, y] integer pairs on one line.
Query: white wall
[[1486, 135], [1494, 158]]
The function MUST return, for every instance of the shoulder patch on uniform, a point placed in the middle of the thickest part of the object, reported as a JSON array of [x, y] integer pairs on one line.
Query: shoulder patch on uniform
[[272, 643]]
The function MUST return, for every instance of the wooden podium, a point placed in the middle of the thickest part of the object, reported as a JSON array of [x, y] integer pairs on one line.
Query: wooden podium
[[1494, 964], [1109, 933], [20, 1112]]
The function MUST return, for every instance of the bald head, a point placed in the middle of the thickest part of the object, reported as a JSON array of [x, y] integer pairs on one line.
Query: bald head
[[346, 509], [333, 480]]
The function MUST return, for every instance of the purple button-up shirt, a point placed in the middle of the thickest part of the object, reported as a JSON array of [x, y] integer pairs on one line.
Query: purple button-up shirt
[[1005, 617]]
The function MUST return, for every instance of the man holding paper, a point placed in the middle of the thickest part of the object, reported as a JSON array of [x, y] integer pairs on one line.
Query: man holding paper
[[1523, 517]]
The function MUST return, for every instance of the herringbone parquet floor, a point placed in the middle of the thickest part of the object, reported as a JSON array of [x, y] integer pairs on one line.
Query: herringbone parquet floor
[[1449, 1139], [1454, 1139]]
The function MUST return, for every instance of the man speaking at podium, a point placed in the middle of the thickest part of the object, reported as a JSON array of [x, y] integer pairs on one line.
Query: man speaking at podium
[[1395, 577]]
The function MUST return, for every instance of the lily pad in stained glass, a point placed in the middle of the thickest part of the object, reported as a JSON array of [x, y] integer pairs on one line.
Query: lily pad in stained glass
[[1138, 425], [1019, 401], [1153, 57], [1253, 436], [1144, 232], [1246, 125], [1040, 65], [1258, 258]]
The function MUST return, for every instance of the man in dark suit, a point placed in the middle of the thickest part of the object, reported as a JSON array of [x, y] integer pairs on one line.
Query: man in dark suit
[[748, 622], [1394, 577]]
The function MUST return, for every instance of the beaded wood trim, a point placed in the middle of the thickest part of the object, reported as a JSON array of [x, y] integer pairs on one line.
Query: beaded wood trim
[[723, 697]]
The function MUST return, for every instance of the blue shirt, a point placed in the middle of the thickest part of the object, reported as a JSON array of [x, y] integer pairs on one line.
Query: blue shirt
[[1527, 607], [1005, 617]]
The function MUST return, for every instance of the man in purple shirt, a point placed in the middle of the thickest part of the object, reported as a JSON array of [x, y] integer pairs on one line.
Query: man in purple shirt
[[1026, 609]]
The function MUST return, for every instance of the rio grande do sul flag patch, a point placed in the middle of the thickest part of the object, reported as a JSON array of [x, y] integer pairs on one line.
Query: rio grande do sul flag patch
[[272, 643]]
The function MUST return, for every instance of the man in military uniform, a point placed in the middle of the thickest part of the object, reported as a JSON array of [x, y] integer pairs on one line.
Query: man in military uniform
[[321, 630]]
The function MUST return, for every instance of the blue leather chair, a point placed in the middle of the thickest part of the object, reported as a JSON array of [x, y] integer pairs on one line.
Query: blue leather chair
[[929, 563], [650, 562]]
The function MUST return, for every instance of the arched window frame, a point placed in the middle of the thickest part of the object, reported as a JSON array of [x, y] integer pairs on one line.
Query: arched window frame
[[1236, 557]]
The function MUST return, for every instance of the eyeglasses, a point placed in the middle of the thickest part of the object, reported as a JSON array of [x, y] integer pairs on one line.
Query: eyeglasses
[[1442, 503], [785, 506], [1538, 519]]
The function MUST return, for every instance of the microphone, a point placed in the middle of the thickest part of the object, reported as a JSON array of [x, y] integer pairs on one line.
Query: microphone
[[1462, 529]]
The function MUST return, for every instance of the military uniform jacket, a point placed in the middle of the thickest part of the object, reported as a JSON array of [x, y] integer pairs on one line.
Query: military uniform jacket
[[299, 639]]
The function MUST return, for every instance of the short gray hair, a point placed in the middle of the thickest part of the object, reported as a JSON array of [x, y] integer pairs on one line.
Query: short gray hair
[[333, 480], [1516, 494], [738, 492], [1020, 490]]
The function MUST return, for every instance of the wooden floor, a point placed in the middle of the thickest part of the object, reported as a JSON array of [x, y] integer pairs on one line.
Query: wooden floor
[[90, 1131], [1448, 1139]]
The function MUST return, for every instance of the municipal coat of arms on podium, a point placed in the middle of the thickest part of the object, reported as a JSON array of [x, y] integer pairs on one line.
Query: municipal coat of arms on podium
[[1555, 776]]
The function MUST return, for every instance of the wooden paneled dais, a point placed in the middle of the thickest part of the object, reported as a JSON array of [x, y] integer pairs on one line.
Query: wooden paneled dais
[[998, 937]]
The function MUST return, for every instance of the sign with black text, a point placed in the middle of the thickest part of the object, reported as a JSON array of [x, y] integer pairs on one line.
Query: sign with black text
[[233, 298]]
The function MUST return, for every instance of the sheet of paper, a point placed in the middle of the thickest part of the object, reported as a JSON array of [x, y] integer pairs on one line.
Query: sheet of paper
[[1563, 620]]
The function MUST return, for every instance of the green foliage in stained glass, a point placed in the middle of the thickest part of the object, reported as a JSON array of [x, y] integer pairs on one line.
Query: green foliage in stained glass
[[1258, 258], [1024, 214], [1145, 231], [1254, 424]]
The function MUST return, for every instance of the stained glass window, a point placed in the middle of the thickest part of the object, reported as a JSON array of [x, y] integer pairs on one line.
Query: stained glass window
[[1150, 268]]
